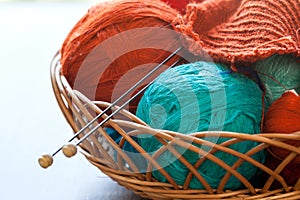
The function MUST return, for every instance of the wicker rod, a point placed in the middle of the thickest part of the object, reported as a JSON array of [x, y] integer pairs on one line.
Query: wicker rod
[[108, 138]]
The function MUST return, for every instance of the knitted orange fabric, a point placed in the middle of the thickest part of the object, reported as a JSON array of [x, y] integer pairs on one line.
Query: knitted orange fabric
[[247, 30], [97, 72], [180, 5]]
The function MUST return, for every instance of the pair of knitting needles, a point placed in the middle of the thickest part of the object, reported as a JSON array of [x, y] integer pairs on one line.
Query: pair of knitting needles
[[70, 149]]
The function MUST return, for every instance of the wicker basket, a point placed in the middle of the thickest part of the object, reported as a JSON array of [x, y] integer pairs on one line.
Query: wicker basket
[[104, 153]]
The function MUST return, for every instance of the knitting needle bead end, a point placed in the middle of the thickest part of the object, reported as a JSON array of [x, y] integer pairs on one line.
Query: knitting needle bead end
[[69, 150], [45, 161]]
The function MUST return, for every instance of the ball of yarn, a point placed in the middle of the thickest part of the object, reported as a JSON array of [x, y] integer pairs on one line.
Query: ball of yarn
[[283, 117], [101, 62], [202, 96], [279, 73]]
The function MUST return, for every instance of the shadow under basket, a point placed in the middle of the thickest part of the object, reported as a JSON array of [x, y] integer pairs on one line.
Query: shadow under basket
[[109, 156]]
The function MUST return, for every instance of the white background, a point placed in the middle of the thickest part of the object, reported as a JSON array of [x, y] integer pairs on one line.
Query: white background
[[31, 122]]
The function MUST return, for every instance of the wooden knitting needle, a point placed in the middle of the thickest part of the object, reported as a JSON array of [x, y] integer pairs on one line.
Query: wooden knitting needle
[[70, 149]]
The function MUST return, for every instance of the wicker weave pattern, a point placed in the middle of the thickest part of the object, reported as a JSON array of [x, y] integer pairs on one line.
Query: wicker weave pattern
[[102, 151]]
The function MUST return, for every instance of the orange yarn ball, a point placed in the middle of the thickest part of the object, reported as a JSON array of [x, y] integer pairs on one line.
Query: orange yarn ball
[[283, 116], [114, 44]]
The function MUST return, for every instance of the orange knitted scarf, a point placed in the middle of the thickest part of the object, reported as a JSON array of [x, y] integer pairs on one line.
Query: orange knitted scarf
[[242, 30]]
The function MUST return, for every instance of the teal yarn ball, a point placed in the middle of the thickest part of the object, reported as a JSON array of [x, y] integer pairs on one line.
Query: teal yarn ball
[[196, 97], [279, 73]]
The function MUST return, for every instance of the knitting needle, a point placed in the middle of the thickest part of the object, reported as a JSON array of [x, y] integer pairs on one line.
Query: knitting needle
[[70, 150]]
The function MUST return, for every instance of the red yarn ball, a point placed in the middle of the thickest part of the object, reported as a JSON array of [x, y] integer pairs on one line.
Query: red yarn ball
[[283, 116], [104, 47]]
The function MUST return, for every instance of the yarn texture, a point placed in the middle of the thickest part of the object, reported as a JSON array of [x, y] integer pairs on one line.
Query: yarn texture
[[196, 97], [114, 44], [283, 117], [234, 31], [279, 73], [180, 5]]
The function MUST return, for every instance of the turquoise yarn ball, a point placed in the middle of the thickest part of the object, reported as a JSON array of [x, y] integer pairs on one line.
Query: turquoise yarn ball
[[279, 73], [202, 96]]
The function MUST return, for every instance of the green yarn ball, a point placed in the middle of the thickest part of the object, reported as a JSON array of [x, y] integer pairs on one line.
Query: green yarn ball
[[279, 73], [197, 97]]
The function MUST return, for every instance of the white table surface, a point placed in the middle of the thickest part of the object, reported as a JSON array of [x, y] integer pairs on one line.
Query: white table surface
[[31, 122]]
